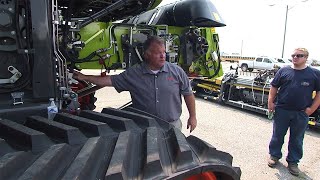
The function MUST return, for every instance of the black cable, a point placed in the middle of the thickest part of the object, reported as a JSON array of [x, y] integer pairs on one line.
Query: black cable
[[216, 71], [115, 42]]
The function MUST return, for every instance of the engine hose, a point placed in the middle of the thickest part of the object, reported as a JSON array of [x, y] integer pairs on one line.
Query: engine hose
[[104, 12], [216, 71], [86, 59], [115, 42]]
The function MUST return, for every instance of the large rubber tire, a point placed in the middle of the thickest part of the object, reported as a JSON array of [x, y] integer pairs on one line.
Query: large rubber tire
[[114, 144]]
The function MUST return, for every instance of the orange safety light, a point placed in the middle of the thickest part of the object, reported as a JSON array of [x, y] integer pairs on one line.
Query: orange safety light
[[203, 176]]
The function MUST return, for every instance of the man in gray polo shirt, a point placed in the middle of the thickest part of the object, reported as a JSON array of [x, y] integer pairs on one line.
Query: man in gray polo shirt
[[155, 85]]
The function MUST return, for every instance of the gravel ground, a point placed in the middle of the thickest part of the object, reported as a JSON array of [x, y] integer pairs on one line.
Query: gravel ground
[[243, 134]]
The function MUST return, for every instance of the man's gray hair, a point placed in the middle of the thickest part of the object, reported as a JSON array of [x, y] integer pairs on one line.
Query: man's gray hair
[[151, 40]]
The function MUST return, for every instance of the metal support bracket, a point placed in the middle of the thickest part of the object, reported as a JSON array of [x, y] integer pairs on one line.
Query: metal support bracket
[[17, 97], [15, 77]]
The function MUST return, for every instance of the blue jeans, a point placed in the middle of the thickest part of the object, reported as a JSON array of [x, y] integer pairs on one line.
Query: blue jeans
[[298, 123]]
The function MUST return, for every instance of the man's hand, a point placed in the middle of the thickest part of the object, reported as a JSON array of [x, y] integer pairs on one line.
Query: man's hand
[[98, 80], [272, 94], [308, 111], [271, 106], [192, 123], [78, 76]]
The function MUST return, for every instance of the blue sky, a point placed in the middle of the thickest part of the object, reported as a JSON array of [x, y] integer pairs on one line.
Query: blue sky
[[258, 28]]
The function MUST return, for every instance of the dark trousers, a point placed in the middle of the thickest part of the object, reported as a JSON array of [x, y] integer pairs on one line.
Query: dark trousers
[[298, 123]]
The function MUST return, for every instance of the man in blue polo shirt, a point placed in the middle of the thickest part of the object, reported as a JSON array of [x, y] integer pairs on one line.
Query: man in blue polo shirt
[[155, 85], [292, 88]]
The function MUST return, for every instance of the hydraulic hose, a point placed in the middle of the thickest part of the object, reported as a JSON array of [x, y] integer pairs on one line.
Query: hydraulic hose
[[216, 71], [104, 12]]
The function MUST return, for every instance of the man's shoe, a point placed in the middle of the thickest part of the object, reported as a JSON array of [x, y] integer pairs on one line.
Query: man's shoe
[[272, 161], [293, 169]]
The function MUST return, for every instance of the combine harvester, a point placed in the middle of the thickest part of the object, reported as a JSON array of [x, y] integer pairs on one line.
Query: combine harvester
[[43, 41]]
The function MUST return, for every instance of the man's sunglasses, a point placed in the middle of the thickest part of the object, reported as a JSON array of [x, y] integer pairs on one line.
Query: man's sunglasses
[[297, 55]]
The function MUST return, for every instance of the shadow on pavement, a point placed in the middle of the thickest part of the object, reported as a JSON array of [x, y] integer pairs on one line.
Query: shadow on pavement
[[284, 174]]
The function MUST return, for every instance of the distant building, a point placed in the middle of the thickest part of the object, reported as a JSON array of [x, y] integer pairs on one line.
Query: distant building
[[236, 58]]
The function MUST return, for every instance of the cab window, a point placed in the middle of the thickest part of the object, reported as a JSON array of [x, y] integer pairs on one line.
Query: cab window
[[259, 59], [266, 60]]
